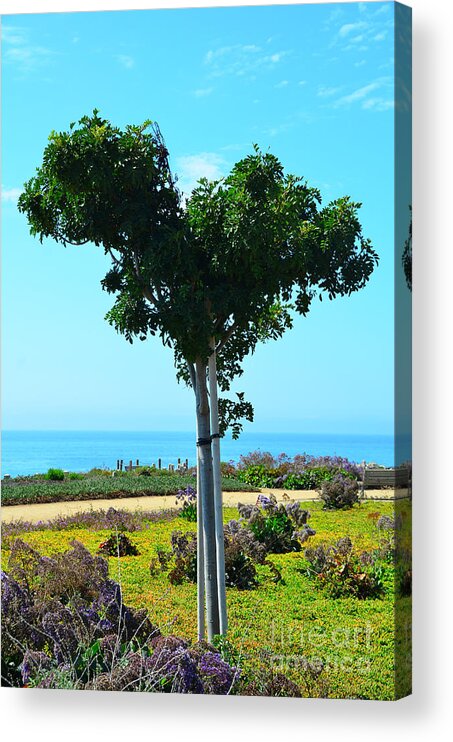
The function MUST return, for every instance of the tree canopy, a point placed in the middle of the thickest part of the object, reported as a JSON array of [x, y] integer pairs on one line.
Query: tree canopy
[[235, 261]]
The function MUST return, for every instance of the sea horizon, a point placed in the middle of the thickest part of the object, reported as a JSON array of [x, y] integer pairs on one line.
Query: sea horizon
[[26, 452]]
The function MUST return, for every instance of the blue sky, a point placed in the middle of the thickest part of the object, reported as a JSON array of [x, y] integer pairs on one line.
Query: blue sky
[[314, 84]]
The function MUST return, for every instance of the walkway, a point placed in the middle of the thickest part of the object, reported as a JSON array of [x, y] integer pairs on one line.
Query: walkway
[[48, 511]]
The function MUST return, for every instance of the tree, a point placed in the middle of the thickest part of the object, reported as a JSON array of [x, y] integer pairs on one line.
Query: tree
[[211, 277], [407, 256]]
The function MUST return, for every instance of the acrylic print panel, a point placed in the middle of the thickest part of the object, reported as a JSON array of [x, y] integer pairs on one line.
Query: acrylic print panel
[[232, 187]]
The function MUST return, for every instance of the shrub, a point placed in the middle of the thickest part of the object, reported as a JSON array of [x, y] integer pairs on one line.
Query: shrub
[[98, 472], [403, 578], [240, 570], [184, 552], [64, 625], [281, 528], [302, 472], [61, 606], [340, 493], [55, 475], [118, 544], [188, 499], [242, 553], [145, 471], [342, 572], [228, 469], [257, 458], [269, 680], [257, 475]]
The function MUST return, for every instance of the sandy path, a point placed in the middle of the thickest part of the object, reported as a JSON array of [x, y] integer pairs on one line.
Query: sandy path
[[48, 511]]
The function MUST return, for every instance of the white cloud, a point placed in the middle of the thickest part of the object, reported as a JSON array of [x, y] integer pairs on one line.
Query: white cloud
[[240, 60], [362, 94], [378, 104], [372, 28], [13, 35], [202, 92], [21, 53], [327, 92], [10, 195], [125, 61], [349, 28], [358, 94], [282, 84], [190, 168], [302, 82]]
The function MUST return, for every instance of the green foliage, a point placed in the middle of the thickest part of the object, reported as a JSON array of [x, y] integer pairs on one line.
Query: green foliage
[[257, 475], [188, 499], [343, 572], [25, 490], [261, 469], [276, 617], [340, 493], [145, 471], [275, 531], [234, 263], [280, 528], [118, 545], [55, 475]]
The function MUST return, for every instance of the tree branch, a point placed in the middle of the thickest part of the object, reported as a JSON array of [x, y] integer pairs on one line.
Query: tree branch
[[192, 374], [146, 291], [114, 258], [225, 339]]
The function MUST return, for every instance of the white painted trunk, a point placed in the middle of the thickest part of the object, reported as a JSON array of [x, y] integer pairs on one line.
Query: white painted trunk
[[200, 558], [206, 494], [218, 504]]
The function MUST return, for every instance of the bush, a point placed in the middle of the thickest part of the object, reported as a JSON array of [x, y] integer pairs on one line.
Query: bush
[[256, 475], [55, 475], [145, 471], [240, 570], [340, 493], [342, 572], [280, 528], [228, 469], [64, 625], [118, 544], [60, 607], [269, 680], [302, 472], [188, 499], [242, 553], [257, 458]]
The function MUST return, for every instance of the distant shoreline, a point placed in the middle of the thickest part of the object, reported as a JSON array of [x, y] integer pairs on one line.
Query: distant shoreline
[[28, 452]]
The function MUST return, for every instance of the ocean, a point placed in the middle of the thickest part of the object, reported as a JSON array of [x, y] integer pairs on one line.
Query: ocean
[[30, 452]]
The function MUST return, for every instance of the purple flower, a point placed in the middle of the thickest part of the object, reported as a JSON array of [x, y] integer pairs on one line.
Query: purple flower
[[217, 675]]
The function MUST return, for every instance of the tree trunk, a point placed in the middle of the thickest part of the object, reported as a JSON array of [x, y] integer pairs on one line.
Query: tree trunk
[[206, 494], [200, 557], [218, 505]]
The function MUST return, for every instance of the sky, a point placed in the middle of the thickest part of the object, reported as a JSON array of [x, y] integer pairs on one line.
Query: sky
[[311, 83]]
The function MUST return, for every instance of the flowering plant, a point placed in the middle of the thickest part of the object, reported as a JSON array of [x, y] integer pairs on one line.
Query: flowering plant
[[188, 499]]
